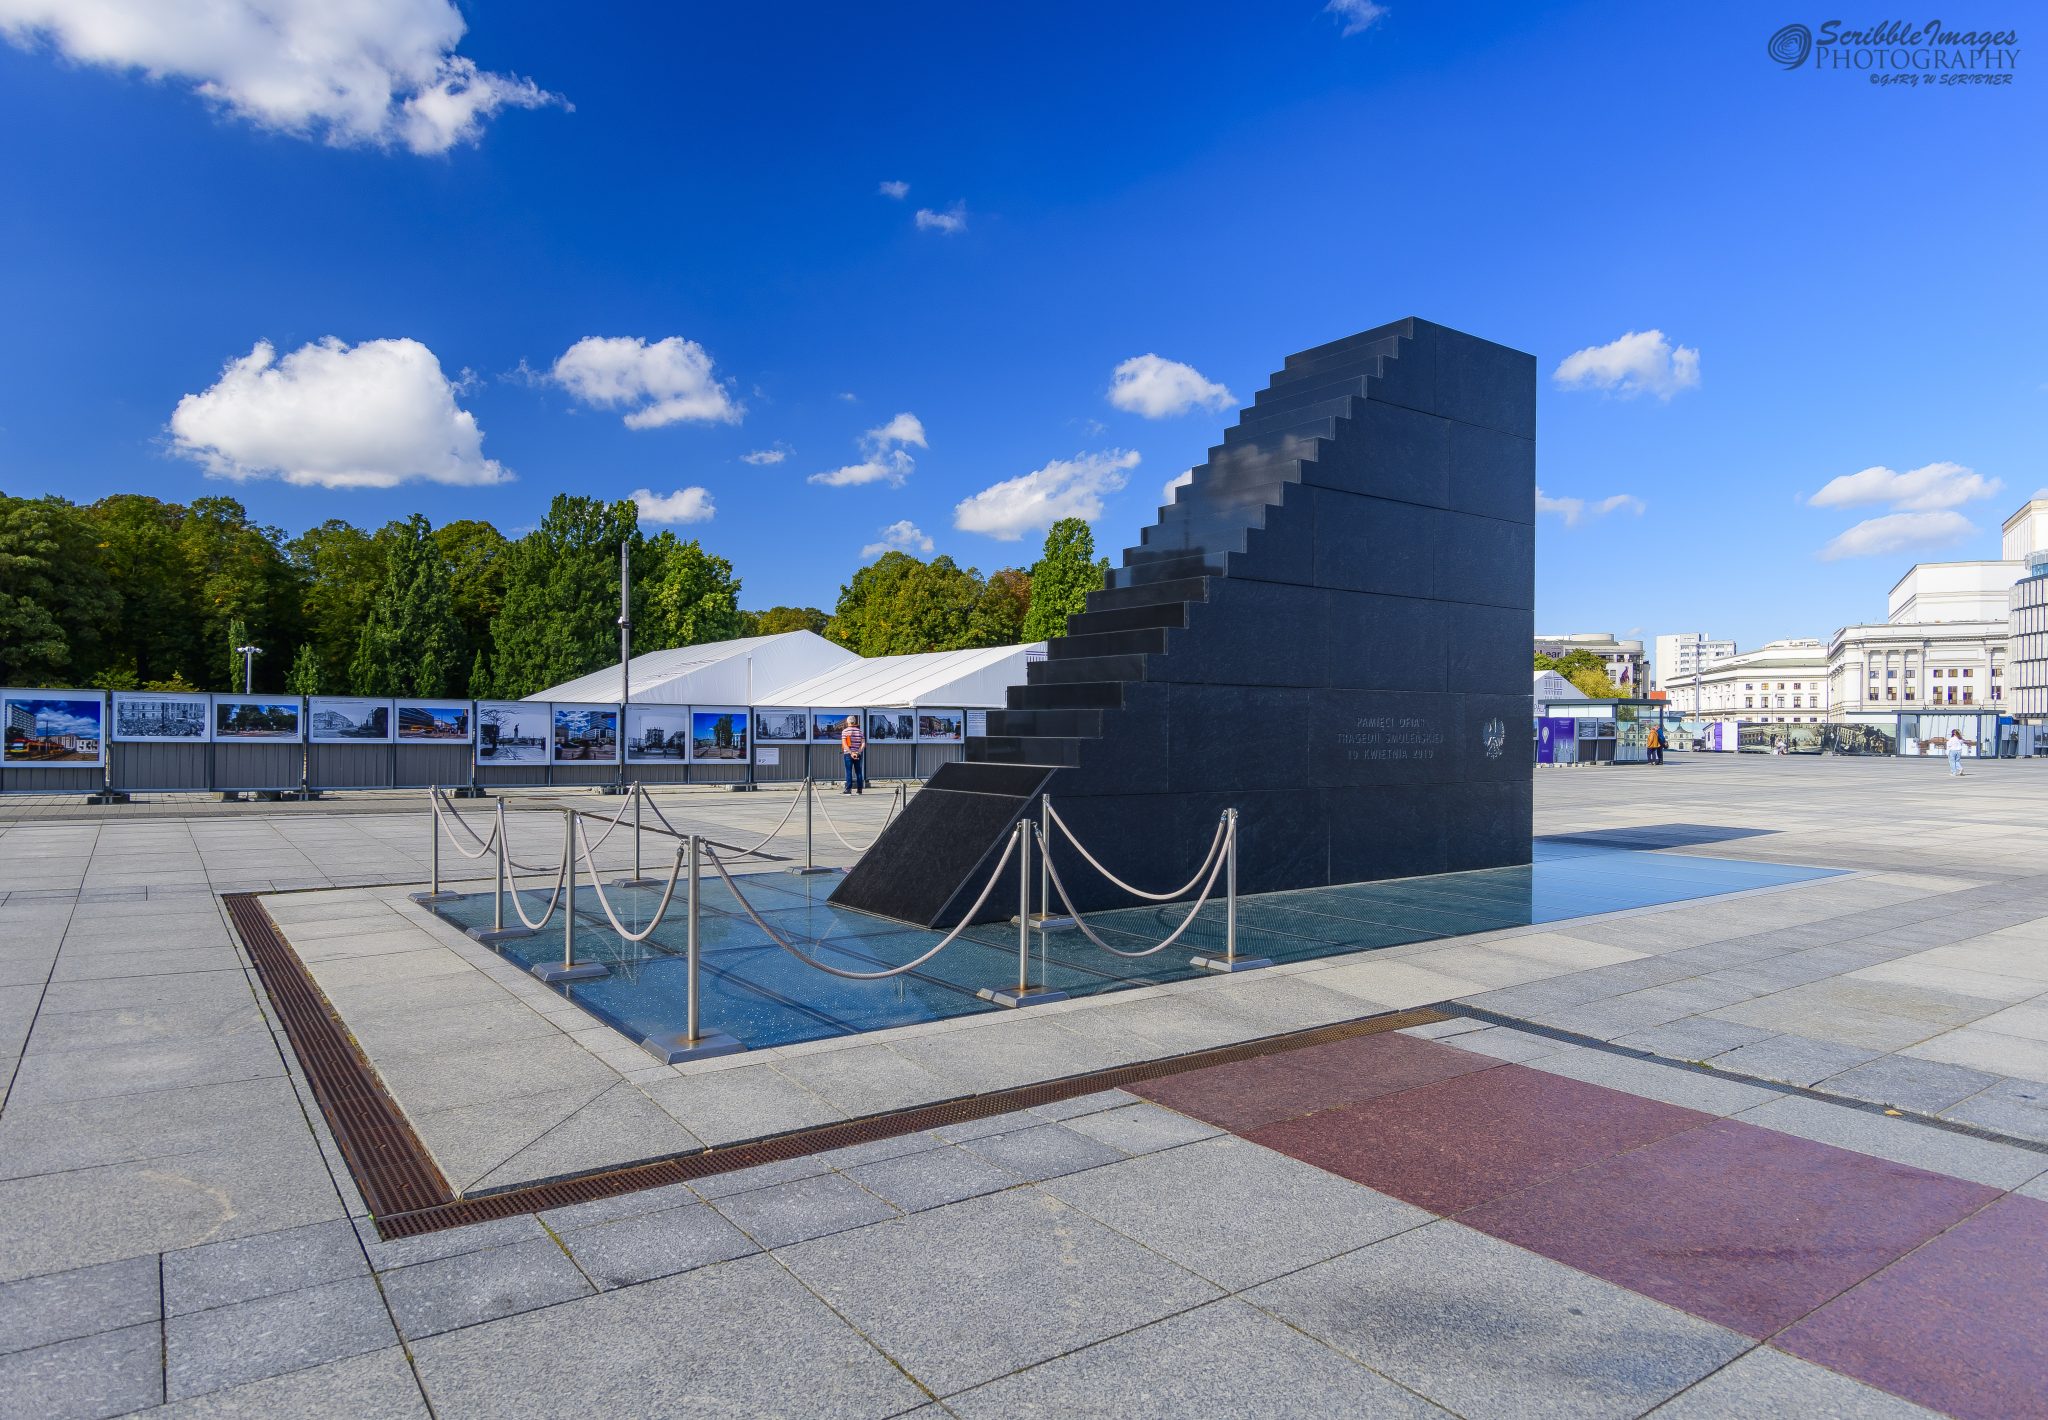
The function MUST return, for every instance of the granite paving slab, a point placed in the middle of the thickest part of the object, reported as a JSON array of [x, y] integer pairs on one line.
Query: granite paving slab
[[110, 1373], [931, 1178], [471, 1287], [803, 1208], [262, 1265], [622, 1251], [62, 1306], [1768, 1382], [377, 1385], [245, 1341]]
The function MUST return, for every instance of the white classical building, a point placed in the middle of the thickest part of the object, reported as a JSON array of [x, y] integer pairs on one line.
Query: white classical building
[[1943, 643], [1623, 658], [1679, 659], [1783, 682]]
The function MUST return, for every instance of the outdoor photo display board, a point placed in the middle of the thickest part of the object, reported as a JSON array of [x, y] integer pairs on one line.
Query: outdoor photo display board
[[657, 734], [891, 727], [826, 724], [718, 735], [776, 726], [257, 717], [944, 727], [435, 722], [162, 717], [511, 732], [347, 720], [586, 734], [55, 727]]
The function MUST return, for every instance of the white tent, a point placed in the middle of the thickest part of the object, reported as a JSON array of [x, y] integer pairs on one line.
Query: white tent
[[977, 679], [1552, 688], [717, 673]]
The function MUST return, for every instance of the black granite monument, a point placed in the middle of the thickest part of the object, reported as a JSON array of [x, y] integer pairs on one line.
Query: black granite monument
[[1327, 630]]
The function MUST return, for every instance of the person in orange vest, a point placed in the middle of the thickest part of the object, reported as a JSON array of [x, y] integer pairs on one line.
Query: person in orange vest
[[852, 745]]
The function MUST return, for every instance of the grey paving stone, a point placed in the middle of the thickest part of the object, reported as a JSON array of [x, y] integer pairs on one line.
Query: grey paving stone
[[1437, 1030], [689, 1345], [147, 1067], [1794, 1059], [638, 1249], [1222, 1359], [994, 1124], [2015, 1107], [1767, 1382], [377, 1385], [877, 1149], [247, 1341], [1924, 1086], [84, 1301], [1234, 1212], [1689, 1089], [624, 1205], [1142, 1128], [428, 1247], [721, 1185], [745, 1102], [1086, 1104], [1506, 1043], [1046, 1151], [74, 1134], [241, 1269], [108, 1374], [975, 1290], [1484, 1328], [803, 1208], [431, 1297], [1901, 1140], [932, 1178], [1694, 1038]]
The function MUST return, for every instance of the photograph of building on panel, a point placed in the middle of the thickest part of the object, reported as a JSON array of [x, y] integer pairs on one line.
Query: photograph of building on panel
[[780, 727], [891, 726], [237, 717], [53, 727], [148, 716], [585, 733], [336, 720], [511, 732], [433, 721], [657, 734], [718, 736], [826, 724], [941, 726]]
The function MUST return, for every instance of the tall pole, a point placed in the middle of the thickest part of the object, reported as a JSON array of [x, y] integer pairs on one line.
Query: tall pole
[[625, 649]]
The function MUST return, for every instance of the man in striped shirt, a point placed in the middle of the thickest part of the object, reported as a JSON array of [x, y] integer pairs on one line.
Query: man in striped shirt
[[852, 745]]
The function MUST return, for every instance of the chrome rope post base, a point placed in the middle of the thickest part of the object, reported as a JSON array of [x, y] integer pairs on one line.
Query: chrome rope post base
[[810, 867], [434, 894], [694, 1043], [1230, 961], [569, 969], [639, 879], [1024, 993], [498, 932]]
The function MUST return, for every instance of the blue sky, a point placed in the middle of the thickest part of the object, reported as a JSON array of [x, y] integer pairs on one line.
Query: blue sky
[[1855, 270]]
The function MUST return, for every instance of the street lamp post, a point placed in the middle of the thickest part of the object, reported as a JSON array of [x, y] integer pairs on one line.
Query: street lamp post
[[248, 655]]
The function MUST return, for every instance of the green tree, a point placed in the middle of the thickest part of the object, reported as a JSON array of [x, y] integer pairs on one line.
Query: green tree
[[240, 667], [779, 619], [160, 629], [242, 576], [304, 677], [480, 678], [559, 619], [475, 555], [341, 569], [694, 599], [898, 605], [411, 643], [1586, 671], [57, 613], [999, 612], [1065, 573]]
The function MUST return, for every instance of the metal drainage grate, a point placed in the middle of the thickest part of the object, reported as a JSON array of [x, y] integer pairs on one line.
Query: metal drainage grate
[[408, 1196]]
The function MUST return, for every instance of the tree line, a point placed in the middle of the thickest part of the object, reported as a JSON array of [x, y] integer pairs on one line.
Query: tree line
[[1586, 671], [135, 593]]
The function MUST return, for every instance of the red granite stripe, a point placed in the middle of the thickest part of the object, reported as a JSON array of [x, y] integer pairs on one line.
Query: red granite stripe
[[1961, 1325], [1453, 1145], [1266, 1090]]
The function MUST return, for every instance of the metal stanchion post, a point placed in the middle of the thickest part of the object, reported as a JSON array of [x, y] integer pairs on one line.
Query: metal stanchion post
[[1230, 960], [434, 893], [810, 863], [499, 932], [1048, 920], [638, 880], [570, 970], [695, 1043], [1025, 994]]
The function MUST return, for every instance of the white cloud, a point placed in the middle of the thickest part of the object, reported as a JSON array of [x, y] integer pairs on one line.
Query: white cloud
[[1575, 510], [1064, 488], [902, 536], [1641, 362], [951, 221], [897, 190], [1166, 493], [1920, 490], [1156, 388], [762, 458], [667, 382], [1896, 531], [376, 73], [849, 396], [333, 415], [887, 460], [685, 505], [1355, 16]]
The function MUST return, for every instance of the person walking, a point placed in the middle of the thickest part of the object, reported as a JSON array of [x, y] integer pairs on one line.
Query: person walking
[[853, 747], [1955, 753], [1656, 745]]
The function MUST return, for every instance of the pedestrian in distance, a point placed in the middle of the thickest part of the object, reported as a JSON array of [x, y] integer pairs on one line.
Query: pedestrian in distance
[[853, 747], [1955, 753], [1656, 745]]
